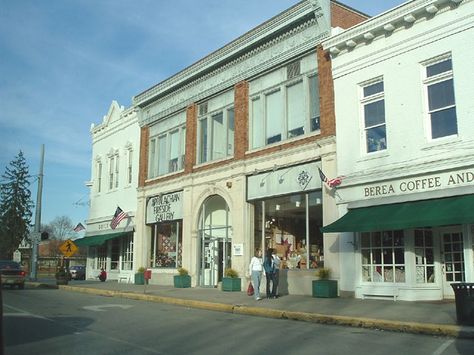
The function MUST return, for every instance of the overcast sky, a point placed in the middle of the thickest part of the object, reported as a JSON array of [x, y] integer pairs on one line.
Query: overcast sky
[[62, 62]]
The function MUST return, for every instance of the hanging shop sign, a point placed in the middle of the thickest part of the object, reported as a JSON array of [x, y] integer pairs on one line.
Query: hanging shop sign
[[166, 207]]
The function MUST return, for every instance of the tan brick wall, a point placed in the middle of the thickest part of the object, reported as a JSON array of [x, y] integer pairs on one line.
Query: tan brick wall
[[344, 17], [241, 119], [143, 164], [326, 93]]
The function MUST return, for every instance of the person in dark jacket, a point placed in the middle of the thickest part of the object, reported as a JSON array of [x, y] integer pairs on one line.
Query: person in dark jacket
[[269, 268]]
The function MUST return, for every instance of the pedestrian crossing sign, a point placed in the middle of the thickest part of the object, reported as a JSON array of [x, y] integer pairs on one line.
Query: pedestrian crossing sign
[[68, 248]]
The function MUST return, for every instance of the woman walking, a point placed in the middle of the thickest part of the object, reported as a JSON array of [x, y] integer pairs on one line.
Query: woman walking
[[255, 270]]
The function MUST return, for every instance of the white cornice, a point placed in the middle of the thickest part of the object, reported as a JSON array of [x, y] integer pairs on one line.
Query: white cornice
[[399, 17], [234, 49]]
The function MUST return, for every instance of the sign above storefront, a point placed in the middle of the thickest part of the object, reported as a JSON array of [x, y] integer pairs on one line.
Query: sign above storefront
[[282, 181], [162, 208]]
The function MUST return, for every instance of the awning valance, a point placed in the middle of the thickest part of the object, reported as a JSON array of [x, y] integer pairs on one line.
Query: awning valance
[[426, 213], [95, 240]]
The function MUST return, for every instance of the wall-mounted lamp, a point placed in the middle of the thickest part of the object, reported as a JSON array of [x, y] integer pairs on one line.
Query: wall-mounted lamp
[[277, 207], [228, 184]]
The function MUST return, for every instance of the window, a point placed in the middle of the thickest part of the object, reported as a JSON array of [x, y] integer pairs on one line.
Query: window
[[216, 135], [373, 106], [113, 171], [440, 96], [166, 241], [102, 257], [127, 253], [166, 152], [383, 256], [99, 176], [114, 254], [287, 111], [424, 256], [129, 167]]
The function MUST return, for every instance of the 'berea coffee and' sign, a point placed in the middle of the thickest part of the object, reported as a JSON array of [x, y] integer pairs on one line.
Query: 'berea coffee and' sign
[[420, 184], [163, 208]]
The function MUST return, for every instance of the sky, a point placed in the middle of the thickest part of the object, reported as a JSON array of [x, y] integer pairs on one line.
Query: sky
[[62, 62]]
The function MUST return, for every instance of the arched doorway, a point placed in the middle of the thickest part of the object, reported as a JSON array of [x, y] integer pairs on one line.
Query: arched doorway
[[215, 232]]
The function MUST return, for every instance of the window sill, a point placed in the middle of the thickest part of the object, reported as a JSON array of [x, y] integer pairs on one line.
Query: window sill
[[199, 165], [374, 155], [164, 175], [283, 142], [443, 143]]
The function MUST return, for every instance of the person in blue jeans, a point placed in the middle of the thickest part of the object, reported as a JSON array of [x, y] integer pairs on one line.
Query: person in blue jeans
[[255, 271], [269, 268]]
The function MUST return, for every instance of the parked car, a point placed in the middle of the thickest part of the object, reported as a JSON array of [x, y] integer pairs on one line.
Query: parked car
[[78, 272], [12, 274]]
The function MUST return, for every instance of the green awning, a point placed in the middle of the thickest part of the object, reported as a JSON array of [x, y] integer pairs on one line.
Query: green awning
[[425, 213], [95, 240]]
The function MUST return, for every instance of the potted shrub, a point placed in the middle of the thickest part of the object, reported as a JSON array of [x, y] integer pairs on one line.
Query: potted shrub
[[62, 275], [140, 276], [324, 287], [182, 280], [231, 281]]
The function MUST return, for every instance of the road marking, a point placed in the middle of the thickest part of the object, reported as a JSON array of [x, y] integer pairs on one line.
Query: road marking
[[443, 347], [100, 308], [22, 313]]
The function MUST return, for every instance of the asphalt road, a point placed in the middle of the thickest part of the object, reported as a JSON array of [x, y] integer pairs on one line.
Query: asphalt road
[[42, 321]]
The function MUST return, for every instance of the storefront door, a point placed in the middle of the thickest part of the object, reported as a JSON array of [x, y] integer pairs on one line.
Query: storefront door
[[216, 241], [452, 258]]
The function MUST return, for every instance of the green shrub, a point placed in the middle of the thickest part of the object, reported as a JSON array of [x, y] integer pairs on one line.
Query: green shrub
[[323, 273], [182, 271], [229, 272]]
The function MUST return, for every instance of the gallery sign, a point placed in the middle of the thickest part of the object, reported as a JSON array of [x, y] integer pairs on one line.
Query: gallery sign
[[419, 184], [163, 208]]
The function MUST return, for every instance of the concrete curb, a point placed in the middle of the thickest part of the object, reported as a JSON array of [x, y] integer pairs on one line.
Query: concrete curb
[[447, 330]]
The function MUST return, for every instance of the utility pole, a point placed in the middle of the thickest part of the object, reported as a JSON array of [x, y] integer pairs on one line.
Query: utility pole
[[36, 230]]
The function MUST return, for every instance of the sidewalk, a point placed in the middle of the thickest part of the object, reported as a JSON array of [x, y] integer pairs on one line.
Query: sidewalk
[[424, 317]]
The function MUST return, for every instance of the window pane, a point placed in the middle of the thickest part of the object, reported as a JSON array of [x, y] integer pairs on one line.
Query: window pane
[[373, 89], [230, 132], [183, 147], [296, 117], [203, 141], [274, 117], [374, 113], [314, 110], [439, 68], [444, 123], [376, 139], [441, 95], [162, 161], [219, 136], [174, 151], [152, 159], [257, 123]]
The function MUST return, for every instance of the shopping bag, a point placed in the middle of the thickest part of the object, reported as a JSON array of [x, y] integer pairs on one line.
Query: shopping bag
[[250, 289]]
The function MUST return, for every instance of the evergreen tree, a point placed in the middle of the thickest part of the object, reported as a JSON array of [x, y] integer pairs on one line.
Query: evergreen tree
[[15, 206]]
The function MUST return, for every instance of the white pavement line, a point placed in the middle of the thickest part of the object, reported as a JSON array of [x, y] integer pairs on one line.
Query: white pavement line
[[100, 308], [22, 313], [443, 347]]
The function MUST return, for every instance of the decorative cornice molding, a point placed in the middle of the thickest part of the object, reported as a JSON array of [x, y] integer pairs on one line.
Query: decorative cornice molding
[[241, 47], [399, 17]]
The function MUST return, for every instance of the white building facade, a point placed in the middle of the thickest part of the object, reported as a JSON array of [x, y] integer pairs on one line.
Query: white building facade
[[230, 152], [403, 85], [113, 184]]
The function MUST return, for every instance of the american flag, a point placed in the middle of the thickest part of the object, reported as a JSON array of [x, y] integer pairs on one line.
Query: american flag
[[330, 182], [118, 216], [79, 228]]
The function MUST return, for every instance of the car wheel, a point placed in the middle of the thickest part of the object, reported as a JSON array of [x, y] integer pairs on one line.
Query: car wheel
[[21, 286]]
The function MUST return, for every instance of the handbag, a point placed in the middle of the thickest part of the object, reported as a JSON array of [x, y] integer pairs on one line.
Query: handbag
[[250, 289]]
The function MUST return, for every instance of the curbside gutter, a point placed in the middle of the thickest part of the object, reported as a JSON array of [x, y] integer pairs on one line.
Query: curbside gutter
[[447, 330]]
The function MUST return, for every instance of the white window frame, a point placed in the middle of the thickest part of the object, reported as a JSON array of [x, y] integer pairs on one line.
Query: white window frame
[[129, 165], [367, 100], [113, 175], [99, 167], [154, 163], [258, 101], [207, 155], [127, 253], [432, 80]]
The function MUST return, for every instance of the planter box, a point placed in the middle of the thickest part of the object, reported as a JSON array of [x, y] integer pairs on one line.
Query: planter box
[[325, 288], [231, 284], [139, 278], [182, 281]]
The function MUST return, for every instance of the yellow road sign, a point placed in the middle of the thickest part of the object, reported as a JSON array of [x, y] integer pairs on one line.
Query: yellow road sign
[[68, 248]]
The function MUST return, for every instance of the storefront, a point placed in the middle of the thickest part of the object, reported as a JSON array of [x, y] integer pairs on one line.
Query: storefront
[[414, 238], [288, 215]]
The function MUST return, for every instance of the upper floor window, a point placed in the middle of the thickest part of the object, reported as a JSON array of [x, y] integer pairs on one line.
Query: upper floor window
[[216, 135], [373, 111], [113, 171], [166, 152], [286, 111], [440, 97], [99, 176], [129, 166]]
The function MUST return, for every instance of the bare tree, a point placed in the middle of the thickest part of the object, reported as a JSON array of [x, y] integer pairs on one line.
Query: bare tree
[[61, 228]]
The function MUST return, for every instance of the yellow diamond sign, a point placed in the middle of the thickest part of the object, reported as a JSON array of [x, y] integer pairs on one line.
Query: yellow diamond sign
[[68, 248]]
